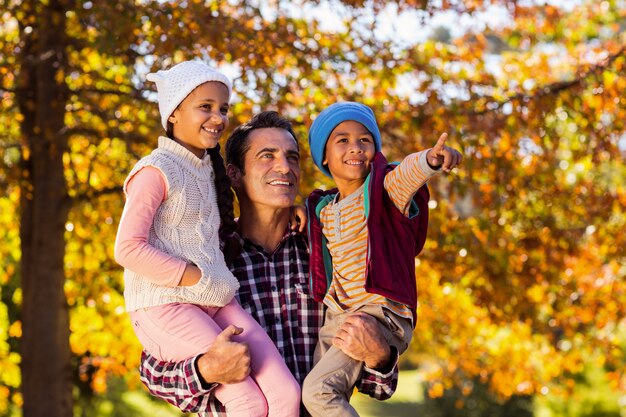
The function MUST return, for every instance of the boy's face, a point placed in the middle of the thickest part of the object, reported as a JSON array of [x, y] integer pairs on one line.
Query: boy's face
[[349, 150]]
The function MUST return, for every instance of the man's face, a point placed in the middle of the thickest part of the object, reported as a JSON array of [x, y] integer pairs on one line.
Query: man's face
[[271, 169]]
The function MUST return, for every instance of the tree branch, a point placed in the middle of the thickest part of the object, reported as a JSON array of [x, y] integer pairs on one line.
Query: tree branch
[[550, 89], [95, 194], [112, 133], [134, 93], [10, 145]]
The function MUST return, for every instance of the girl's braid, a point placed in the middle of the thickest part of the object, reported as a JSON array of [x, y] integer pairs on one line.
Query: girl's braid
[[224, 194]]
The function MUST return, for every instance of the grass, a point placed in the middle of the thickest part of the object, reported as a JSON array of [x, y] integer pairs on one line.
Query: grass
[[593, 398], [405, 402]]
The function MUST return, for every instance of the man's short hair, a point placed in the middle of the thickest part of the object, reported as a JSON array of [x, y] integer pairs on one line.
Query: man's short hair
[[237, 143]]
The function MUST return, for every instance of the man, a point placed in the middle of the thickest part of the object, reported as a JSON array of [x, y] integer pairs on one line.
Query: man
[[262, 158]]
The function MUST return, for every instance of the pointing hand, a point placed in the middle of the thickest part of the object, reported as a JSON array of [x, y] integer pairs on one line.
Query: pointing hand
[[443, 156]]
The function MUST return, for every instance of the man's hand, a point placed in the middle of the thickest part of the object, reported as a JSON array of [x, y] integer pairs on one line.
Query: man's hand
[[443, 156], [361, 337], [226, 362]]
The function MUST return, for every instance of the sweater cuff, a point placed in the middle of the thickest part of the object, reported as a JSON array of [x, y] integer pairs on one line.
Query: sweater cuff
[[426, 166]]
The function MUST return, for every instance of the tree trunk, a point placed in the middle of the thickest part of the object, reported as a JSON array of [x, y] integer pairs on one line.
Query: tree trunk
[[42, 96]]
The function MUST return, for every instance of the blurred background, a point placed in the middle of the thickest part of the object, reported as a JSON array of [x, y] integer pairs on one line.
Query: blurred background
[[521, 283]]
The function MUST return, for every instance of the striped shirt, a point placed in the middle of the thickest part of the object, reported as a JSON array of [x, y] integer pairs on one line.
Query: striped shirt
[[344, 225]]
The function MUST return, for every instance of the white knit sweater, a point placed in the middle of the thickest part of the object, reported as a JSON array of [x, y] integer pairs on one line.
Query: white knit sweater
[[185, 226]]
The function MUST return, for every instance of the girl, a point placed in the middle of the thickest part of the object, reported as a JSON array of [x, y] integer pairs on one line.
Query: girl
[[178, 289]]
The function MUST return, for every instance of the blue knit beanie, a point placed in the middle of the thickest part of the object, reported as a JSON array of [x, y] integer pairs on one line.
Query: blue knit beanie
[[329, 118]]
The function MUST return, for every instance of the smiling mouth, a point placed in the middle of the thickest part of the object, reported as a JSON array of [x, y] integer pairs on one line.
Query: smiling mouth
[[281, 183], [354, 162], [214, 131]]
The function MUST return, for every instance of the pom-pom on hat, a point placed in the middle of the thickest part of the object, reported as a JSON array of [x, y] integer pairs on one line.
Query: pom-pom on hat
[[174, 84], [332, 116]]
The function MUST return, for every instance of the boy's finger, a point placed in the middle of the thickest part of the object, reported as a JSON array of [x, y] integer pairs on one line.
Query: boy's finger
[[447, 161], [451, 161], [457, 159], [441, 142]]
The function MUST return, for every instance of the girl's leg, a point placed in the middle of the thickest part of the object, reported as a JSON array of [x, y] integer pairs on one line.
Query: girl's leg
[[269, 371], [175, 332]]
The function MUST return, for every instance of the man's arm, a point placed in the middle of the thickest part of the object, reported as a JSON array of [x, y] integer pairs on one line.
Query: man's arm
[[177, 383], [380, 384], [185, 384], [361, 338]]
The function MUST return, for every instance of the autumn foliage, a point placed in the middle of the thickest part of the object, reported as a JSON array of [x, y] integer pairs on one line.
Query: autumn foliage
[[522, 281]]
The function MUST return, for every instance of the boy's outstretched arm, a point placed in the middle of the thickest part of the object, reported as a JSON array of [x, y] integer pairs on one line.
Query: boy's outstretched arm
[[443, 156]]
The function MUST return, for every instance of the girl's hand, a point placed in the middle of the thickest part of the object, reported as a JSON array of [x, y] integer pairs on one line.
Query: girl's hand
[[191, 276], [442, 156], [298, 218]]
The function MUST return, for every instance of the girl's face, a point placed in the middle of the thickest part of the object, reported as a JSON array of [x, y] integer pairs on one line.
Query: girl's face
[[201, 118]]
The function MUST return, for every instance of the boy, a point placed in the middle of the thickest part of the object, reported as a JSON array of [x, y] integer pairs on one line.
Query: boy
[[363, 238]]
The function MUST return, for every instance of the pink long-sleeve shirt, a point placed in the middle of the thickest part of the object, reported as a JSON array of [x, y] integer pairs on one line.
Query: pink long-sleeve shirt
[[144, 194]]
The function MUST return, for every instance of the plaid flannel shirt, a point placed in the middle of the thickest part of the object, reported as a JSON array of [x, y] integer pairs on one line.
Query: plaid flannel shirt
[[274, 290]]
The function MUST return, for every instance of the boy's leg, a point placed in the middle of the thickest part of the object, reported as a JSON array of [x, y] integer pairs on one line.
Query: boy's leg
[[175, 332], [280, 388], [322, 387], [327, 388]]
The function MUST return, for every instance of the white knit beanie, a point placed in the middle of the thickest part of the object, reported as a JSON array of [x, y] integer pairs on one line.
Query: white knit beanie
[[174, 84]]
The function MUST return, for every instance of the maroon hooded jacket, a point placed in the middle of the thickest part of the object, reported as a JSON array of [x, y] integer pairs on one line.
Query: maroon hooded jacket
[[394, 240]]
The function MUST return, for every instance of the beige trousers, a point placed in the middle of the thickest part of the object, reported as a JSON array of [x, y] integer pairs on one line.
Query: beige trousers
[[327, 388]]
